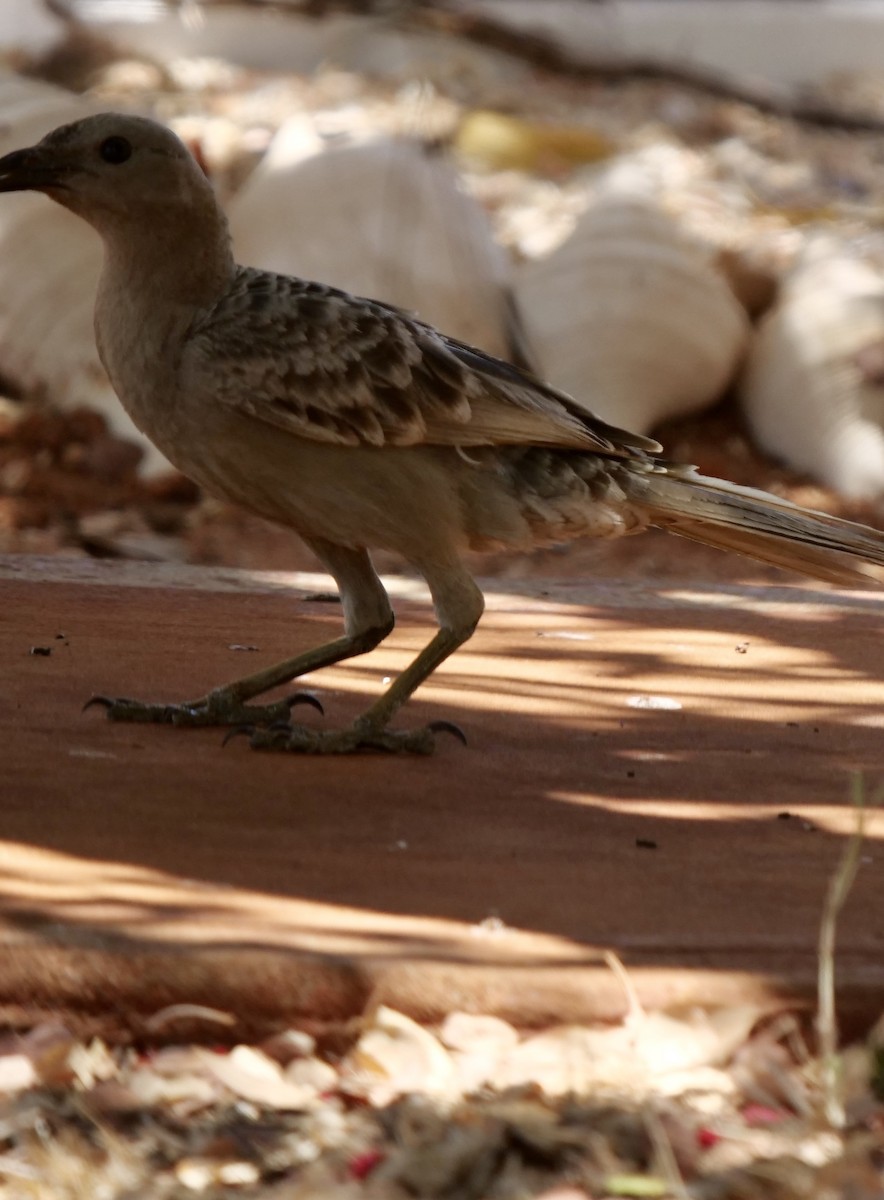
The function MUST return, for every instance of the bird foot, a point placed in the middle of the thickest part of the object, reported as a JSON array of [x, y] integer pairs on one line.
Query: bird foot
[[217, 708], [295, 739]]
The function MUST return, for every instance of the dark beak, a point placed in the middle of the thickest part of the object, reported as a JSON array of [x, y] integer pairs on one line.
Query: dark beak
[[28, 170]]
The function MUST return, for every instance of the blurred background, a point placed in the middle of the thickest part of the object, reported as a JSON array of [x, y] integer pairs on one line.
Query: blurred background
[[672, 209]]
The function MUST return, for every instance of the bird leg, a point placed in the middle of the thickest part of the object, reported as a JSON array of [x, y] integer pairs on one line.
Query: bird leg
[[459, 605], [368, 619], [369, 731], [226, 705]]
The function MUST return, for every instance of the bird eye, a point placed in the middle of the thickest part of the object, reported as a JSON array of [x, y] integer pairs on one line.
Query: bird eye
[[115, 150]]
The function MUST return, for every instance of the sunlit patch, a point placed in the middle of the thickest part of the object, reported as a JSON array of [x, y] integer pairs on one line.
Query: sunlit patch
[[566, 635], [827, 818], [653, 755]]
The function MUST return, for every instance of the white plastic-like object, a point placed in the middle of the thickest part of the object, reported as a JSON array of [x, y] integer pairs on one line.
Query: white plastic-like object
[[630, 314], [49, 267], [813, 387], [28, 25], [384, 218]]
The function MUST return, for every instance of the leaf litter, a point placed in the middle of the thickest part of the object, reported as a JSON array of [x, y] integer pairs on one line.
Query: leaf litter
[[725, 1105]]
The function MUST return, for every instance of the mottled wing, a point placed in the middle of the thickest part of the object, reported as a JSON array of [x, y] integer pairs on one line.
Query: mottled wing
[[332, 367]]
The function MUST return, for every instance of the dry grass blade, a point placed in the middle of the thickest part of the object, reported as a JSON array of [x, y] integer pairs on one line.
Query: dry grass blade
[[838, 891], [665, 1155]]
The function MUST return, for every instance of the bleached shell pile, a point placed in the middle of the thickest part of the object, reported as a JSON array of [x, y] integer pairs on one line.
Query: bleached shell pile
[[813, 388], [630, 314], [49, 268]]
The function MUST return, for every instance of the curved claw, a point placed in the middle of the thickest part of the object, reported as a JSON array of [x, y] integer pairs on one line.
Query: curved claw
[[237, 731], [448, 727], [304, 698], [104, 700]]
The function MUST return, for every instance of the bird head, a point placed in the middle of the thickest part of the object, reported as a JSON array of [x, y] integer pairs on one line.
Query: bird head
[[110, 168]]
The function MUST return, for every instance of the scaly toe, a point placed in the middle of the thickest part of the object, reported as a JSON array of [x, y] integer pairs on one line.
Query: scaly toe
[[214, 709], [359, 738], [124, 709], [292, 739], [402, 741]]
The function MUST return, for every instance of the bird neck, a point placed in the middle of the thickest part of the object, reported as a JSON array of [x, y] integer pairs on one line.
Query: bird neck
[[157, 280], [177, 261]]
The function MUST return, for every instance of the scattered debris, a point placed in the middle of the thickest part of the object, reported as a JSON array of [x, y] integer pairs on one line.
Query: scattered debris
[[659, 1105]]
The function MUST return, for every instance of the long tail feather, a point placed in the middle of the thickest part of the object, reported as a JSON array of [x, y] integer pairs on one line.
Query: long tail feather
[[758, 524]]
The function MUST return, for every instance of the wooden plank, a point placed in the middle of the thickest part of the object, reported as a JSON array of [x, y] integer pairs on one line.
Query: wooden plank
[[144, 865]]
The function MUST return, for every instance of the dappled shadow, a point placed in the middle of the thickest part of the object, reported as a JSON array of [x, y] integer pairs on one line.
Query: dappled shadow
[[699, 835]]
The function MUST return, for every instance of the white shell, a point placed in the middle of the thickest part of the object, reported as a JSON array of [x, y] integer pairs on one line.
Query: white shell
[[384, 218], [806, 394], [630, 315], [49, 267]]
